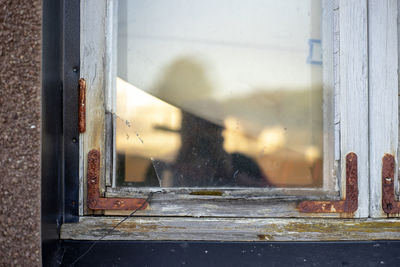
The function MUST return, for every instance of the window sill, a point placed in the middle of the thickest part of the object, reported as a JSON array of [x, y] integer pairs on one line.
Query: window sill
[[232, 229]]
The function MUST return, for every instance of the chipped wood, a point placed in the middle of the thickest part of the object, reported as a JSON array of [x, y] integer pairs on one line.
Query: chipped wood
[[250, 202], [233, 229], [331, 143], [93, 59], [383, 95], [353, 95]]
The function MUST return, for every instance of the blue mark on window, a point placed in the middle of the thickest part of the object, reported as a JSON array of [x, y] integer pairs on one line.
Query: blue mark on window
[[315, 52]]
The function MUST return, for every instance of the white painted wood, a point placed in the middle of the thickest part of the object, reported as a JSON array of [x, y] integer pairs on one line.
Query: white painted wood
[[93, 28], [353, 70], [336, 97], [110, 66], [111, 36], [328, 92], [232, 229], [383, 92], [398, 79], [336, 80], [330, 168], [226, 192], [256, 203]]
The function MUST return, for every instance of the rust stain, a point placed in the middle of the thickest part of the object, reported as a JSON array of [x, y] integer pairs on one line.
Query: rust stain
[[263, 237], [349, 204], [94, 201], [206, 193], [389, 203], [82, 106]]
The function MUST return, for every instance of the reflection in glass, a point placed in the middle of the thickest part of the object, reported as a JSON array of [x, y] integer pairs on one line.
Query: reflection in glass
[[219, 94]]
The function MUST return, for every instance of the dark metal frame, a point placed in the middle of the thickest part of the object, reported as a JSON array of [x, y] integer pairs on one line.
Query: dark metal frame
[[60, 146], [51, 171], [71, 64], [210, 254]]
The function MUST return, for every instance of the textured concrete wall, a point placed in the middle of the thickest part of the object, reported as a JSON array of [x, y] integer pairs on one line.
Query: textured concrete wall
[[20, 60]]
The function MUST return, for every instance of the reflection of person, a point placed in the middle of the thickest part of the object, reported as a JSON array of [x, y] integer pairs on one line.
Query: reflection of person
[[201, 160]]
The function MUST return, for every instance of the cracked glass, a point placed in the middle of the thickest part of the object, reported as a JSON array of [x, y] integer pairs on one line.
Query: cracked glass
[[218, 94]]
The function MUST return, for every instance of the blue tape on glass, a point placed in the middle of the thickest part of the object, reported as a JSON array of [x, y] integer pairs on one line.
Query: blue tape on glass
[[315, 52]]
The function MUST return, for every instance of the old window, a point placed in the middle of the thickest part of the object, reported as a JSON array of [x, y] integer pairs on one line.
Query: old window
[[194, 105], [233, 113]]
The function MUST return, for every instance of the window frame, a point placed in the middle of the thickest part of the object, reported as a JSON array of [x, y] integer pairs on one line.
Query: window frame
[[266, 205], [351, 79], [245, 229], [331, 127], [94, 62]]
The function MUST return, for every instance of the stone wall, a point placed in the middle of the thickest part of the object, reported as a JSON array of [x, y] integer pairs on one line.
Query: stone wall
[[20, 144]]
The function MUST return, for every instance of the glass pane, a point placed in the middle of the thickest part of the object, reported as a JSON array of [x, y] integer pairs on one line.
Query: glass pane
[[221, 93]]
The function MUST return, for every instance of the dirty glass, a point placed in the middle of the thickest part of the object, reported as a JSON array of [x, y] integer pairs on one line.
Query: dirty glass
[[221, 93]]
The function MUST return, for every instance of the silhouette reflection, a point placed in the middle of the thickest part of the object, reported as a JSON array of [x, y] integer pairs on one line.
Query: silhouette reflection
[[215, 93], [203, 162], [200, 159]]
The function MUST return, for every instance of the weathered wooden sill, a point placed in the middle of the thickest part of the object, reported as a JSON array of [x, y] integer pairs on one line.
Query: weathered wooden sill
[[232, 229]]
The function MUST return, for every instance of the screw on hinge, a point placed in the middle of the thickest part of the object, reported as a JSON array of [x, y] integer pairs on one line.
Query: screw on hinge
[[349, 204]]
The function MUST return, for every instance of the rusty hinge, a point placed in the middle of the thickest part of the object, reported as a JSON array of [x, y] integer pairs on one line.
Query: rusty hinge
[[94, 201], [389, 203], [82, 106], [349, 204]]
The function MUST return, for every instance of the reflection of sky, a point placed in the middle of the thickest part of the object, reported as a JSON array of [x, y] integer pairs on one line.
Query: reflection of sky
[[244, 45]]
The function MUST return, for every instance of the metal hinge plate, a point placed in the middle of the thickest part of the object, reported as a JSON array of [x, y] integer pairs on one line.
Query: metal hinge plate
[[94, 201], [350, 202], [82, 106], [389, 203]]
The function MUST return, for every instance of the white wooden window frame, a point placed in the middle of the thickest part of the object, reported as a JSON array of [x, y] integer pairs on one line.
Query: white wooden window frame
[[270, 202], [383, 95], [346, 107], [365, 85]]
